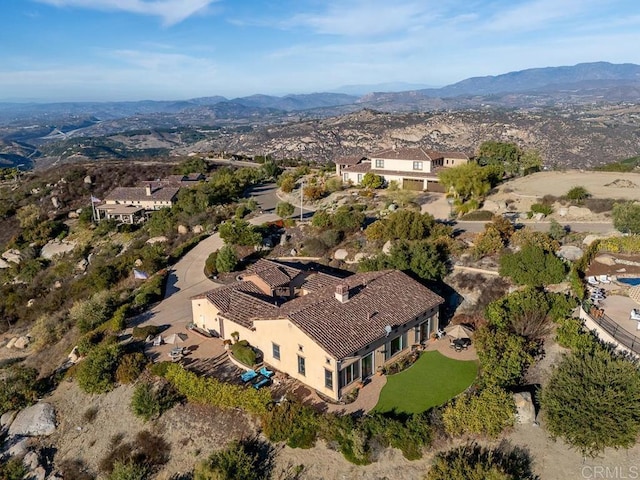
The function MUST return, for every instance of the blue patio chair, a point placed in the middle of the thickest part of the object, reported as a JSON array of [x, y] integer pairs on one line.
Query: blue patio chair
[[248, 376], [261, 383], [265, 372]]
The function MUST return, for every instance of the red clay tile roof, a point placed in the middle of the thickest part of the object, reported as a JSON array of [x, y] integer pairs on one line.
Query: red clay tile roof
[[350, 160], [377, 299], [242, 302], [272, 273], [127, 194], [460, 155], [363, 167]]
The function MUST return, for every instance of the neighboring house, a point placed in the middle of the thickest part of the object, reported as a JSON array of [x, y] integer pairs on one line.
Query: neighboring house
[[131, 204], [412, 168], [183, 180], [325, 331], [344, 162]]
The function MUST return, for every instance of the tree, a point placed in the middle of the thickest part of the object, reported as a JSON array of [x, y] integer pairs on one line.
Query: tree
[[145, 402], [528, 237], [468, 185], [428, 261], [504, 357], [487, 243], [473, 462], [286, 182], [626, 217], [533, 266], [193, 165], [530, 162], [592, 400], [504, 154], [227, 259], [371, 180], [239, 232], [284, 209], [271, 169], [210, 268]]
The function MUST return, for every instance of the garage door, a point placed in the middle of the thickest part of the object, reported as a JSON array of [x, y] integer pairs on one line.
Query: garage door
[[433, 186], [412, 184]]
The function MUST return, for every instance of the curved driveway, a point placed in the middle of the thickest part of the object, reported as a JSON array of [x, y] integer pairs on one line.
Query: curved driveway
[[187, 278]]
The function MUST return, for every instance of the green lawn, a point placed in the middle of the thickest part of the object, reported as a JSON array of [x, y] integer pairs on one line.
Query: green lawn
[[429, 382]]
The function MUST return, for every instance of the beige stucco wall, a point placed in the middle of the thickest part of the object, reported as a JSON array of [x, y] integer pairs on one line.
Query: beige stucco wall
[[146, 204], [293, 342], [454, 162], [401, 165]]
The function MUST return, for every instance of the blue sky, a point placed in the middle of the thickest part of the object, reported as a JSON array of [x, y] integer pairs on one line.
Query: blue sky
[[63, 50]]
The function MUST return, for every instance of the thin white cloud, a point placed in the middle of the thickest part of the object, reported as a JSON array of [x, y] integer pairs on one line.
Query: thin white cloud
[[536, 14], [364, 18], [171, 11]]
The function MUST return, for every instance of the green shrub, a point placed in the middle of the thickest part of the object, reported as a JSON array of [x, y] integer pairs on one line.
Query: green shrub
[[235, 462], [488, 413], [89, 341], [12, 469], [150, 291], [477, 215], [182, 249], [227, 259], [209, 391], [242, 211], [210, 268], [19, 387], [140, 333], [409, 435], [473, 462], [145, 402], [128, 471], [118, 321], [130, 367], [244, 353], [330, 237], [533, 266], [160, 369], [291, 422], [96, 373], [571, 334], [578, 194], [592, 400], [91, 313], [541, 208], [284, 209]]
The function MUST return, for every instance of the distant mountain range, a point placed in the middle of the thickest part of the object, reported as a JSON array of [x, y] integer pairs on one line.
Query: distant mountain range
[[29, 131]]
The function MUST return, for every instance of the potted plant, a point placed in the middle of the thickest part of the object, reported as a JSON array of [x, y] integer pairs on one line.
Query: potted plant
[[235, 336], [227, 344]]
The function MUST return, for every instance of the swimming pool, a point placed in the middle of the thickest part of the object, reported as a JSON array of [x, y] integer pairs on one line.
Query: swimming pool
[[630, 281]]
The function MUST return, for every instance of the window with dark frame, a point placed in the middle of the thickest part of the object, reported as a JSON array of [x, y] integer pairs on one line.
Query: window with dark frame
[[417, 165], [379, 163], [301, 366], [276, 351], [328, 378]]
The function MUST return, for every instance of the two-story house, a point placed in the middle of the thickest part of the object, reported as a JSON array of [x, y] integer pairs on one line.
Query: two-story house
[[327, 332], [131, 204], [411, 168]]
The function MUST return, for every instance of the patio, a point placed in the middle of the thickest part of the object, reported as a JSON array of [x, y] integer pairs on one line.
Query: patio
[[195, 346]]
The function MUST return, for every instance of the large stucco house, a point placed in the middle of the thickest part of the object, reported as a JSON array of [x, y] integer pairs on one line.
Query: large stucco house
[[131, 204], [412, 168], [327, 332]]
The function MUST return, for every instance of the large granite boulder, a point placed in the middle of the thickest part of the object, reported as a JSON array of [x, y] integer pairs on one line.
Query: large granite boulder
[[570, 252], [34, 421], [340, 254], [12, 255], [56, 247], [21, 343], [183, 230], [4, 263], [526, 411], [386, 248], [161, 239]]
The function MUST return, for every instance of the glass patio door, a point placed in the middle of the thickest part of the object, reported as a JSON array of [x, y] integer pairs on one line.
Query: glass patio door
[[367, 365]]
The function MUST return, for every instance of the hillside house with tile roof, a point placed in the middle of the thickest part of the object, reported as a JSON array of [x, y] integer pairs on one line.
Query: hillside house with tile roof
[[327, 332], [133, 204], [412, 168]]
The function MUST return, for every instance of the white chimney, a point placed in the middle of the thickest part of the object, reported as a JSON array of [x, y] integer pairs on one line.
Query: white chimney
[[342, 293], [148, 189]]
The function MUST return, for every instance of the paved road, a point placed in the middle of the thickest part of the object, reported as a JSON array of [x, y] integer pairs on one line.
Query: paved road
[[187, 279]]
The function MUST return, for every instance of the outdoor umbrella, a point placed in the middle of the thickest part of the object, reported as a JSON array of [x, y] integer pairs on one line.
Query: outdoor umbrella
[[458, 331], [175, 338]]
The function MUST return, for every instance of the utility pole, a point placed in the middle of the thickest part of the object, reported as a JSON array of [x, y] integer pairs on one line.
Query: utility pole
[[301, 196]]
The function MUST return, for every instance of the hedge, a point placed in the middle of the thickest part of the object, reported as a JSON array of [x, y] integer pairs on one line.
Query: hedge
[[209, 391]]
